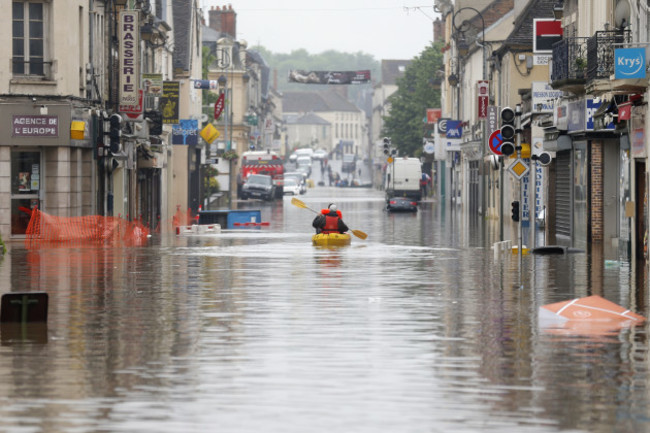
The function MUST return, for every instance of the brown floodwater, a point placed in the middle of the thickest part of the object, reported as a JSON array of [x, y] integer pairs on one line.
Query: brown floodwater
[[416, 329]]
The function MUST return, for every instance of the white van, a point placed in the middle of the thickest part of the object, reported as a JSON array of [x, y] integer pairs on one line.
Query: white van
[[403, 178]]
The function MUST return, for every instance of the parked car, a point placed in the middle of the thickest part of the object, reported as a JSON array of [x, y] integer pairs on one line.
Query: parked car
[[291, 186], [258, 186], [304, 164], [305, 151], [319, 154], [401, 204], [300, 178]]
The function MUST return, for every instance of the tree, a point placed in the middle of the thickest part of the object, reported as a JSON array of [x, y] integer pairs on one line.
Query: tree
[[209, 97], [416, 92]]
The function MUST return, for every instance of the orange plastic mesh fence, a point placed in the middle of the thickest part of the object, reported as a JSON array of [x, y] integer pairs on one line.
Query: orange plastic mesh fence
[[182, 218], [44, 227]]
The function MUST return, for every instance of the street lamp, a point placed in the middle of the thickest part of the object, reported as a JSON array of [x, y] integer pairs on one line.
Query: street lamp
[[462, 26], [465, 26]]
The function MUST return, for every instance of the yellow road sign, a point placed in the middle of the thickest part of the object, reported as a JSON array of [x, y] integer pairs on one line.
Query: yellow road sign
[[390, 160], [209, 133], [518, 168]]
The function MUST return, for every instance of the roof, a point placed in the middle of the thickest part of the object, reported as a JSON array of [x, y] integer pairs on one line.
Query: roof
[[522, 35], [307, 119], [182, 11], [255, 57], [304, 102], [393, 69]]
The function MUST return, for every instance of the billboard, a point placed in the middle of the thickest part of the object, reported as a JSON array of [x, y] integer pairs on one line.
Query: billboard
[[329, 77]]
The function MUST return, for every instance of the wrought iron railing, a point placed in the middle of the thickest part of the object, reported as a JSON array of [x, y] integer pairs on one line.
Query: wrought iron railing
[[569, 59], [600, 52]]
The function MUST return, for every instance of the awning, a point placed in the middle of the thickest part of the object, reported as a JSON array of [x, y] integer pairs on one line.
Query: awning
[[563, 142]]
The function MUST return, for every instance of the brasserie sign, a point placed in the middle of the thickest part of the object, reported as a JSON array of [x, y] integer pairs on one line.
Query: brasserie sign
[[129, 42]]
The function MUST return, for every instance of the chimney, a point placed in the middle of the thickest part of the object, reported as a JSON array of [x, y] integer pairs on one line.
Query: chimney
[[223, 20]]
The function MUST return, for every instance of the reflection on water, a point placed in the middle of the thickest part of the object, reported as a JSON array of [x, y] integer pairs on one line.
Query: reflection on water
[[417, 328]]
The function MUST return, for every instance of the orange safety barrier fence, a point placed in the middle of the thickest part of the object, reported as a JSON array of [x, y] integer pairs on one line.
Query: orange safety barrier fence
[[181, 218], [95, 228]]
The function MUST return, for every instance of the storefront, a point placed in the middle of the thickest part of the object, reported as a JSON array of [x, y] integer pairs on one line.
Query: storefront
[[47, 149]]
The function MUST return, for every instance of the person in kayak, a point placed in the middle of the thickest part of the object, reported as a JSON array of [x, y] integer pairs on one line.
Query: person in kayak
[[329, 221]]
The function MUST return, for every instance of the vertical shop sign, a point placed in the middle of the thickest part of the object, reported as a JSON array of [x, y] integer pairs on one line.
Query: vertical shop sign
[[129, 43], [169, 102]]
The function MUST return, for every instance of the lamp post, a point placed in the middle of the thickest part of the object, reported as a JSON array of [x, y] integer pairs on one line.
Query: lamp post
[[462, 27]]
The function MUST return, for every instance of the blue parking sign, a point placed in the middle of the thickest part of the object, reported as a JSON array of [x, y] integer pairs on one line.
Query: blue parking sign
[[629, 63]]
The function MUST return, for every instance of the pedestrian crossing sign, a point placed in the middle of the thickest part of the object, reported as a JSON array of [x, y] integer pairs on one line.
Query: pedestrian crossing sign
[[518, 168]]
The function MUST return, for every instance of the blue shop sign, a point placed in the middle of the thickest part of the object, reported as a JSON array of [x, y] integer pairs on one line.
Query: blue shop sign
[[186, 132], [629, 63], [454, 129], [592, 106]]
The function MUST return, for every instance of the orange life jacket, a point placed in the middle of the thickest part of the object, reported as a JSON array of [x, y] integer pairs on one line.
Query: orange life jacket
[[331, 224], [326, 211]]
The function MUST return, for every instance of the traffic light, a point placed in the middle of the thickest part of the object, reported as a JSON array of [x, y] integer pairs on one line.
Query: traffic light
[[543, 158], [386, 145], [115, 132], [515, 210], [508, 131]]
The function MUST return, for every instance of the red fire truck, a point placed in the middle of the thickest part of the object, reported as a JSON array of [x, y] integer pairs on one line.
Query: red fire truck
[[263, 162]]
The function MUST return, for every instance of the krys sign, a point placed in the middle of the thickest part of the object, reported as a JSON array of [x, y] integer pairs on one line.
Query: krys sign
[[629, 63]]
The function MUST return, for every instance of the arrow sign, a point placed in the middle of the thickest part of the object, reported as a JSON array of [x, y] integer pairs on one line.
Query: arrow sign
[[495, 142]]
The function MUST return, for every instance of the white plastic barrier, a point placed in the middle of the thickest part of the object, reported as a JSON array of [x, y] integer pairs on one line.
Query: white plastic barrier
[[500, 248], [198, 229]]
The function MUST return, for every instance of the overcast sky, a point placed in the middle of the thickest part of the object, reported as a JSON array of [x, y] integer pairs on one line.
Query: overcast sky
[[386, 29]]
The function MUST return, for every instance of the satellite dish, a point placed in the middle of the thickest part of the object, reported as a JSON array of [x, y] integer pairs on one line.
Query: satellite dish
[[622, 14]]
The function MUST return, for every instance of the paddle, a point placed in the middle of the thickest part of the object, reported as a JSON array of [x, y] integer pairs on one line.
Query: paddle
[[300, 203]]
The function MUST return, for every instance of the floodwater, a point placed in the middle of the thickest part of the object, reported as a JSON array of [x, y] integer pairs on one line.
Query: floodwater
[[416, 329]]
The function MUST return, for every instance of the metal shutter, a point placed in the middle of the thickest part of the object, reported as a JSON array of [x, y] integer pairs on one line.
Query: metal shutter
[[563, 184]]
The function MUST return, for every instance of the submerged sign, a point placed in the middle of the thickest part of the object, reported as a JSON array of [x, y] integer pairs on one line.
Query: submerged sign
[[629, 63]]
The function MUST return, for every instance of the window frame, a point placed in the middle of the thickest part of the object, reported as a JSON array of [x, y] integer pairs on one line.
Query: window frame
[[27, 70]]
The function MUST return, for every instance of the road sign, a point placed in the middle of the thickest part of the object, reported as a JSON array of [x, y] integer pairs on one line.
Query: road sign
[[389, 160], [495, 142], [518, 169]]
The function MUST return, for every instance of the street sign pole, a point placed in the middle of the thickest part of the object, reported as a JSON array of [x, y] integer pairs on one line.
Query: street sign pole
[[521, 191]]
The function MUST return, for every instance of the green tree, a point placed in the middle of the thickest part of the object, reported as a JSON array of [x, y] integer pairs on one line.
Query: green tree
[[329, 60], [417, 91], [209, 97], [210, 183]]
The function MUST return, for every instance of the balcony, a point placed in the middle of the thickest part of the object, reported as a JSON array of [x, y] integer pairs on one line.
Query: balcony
[[600, 64], [569, 65]]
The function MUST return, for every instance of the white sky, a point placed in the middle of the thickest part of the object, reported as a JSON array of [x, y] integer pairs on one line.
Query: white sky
[[386, 29]]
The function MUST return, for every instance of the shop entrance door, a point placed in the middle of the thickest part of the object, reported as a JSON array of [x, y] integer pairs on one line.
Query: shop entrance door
[[26, 177]]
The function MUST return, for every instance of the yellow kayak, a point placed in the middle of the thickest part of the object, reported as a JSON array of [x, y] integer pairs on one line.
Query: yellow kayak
[[331, 239]]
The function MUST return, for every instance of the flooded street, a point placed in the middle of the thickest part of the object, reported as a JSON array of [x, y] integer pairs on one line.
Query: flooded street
[[415, 329]]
